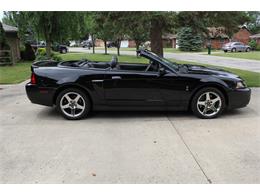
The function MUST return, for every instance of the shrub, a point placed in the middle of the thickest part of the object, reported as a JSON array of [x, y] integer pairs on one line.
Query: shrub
[[41, 51], [28, 53], [42, 55], [252, 44], [189, 40]]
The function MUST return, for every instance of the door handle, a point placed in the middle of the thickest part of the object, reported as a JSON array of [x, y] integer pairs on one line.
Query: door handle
[[97, 81], [116, 77]]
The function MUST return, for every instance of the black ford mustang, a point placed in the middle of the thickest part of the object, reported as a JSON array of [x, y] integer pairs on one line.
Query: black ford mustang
[[77, 87]]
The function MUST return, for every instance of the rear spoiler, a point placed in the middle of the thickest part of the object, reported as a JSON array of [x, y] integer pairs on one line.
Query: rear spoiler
[[45, 63]]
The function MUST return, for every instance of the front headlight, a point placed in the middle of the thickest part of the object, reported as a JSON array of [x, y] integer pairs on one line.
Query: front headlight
[[240, 84]]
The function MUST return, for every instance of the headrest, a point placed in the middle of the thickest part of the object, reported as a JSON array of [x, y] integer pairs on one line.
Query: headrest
[[113, 62]]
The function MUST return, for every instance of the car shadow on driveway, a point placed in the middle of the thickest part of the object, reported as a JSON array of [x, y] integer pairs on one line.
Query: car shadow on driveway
[[53, 114]]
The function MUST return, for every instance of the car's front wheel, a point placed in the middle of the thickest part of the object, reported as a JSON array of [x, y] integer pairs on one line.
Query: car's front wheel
[[208, 103], [73, 104], [233, 50], [247, 49], [63, 51]]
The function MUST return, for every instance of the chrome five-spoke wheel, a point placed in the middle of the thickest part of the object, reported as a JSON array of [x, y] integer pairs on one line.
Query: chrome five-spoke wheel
[[73, 104], [208, 103]]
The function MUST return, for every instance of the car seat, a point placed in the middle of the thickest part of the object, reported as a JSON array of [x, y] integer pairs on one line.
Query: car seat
[[113, 62]]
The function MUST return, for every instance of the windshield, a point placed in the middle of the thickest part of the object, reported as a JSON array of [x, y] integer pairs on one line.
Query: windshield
[[228, 44], [166, 61]]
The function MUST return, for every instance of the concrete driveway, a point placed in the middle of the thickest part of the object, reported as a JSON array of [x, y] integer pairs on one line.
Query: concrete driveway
[[243, 64], [38, 146]]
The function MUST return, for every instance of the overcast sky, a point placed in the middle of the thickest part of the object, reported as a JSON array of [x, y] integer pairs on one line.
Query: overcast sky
[[1, 15]]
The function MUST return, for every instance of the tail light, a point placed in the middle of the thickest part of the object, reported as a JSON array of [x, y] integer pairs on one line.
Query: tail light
[[33, 79]]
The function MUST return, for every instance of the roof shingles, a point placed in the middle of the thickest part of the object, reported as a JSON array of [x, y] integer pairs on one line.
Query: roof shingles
[[8, 28]]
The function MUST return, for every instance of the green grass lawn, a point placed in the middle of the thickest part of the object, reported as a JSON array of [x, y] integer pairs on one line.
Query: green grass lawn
[[15, 74], [252, 78], [21, 71], [174, 50], [253, 55]]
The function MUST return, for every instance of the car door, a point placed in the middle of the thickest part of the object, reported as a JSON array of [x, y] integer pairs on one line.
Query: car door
[[241, 47], [132, 88], [175, 90]]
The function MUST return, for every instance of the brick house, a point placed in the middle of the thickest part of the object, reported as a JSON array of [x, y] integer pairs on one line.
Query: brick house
[[169, 40], [124, 43], [217, 37], [99, 43], [243, 35]]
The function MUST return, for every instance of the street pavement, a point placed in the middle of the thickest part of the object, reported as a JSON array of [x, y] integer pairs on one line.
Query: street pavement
[[243, 64], [38, 146]]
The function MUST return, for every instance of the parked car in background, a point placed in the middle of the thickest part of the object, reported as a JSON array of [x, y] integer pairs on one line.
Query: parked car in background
[[146, 45], [55, 47], [36, 45], [59, 48], [111, 44], [87, 44], [74, 43], [236, 46]]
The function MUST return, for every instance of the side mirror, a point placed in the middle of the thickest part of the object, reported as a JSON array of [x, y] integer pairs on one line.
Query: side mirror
[[162, 71]]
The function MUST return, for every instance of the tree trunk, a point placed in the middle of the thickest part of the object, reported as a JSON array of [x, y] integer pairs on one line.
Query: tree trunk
[[93, 44], [48, 48], [118, 46], [105, 44], [137, 46], [156, 37]]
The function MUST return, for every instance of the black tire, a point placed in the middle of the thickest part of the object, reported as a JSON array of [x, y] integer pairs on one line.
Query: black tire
[[225, 51], [87, 104], [194, 101], [233, 50], [63, 51], [247, 49]]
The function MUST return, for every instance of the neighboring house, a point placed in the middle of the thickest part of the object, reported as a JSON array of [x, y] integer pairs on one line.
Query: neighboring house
[[99, 43], [169, 40], [217, 36], [243, 35], [124, 43], [13, 41], [256, 37]]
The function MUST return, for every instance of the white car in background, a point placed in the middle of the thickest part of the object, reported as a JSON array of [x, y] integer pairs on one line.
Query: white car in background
[[236, 46]]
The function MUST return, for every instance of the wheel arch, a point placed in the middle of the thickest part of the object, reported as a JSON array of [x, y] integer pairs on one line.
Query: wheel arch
[[213, 85], [67, 86]]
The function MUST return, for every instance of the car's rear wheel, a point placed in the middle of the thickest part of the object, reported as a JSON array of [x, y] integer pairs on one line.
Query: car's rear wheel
[[247, 49], [233, 50], [73, 104], [208, 103]]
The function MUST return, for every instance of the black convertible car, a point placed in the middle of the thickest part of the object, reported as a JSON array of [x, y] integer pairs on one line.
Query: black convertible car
[[77, 87]]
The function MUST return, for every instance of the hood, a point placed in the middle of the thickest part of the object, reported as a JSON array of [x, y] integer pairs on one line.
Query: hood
[[196, 69]]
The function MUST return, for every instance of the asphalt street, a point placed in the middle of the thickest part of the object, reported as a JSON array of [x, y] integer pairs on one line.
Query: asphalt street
[[38, 146]]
